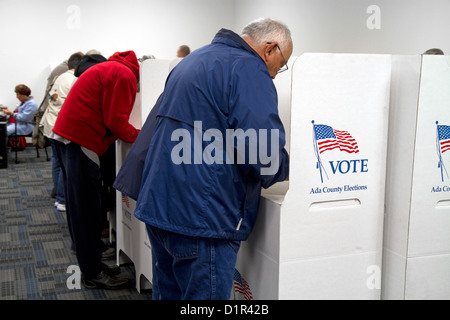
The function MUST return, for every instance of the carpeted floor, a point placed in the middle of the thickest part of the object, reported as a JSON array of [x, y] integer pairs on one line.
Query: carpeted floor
[[34, 238]]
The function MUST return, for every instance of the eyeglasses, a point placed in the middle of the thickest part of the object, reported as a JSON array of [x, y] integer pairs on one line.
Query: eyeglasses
[[285, 66]]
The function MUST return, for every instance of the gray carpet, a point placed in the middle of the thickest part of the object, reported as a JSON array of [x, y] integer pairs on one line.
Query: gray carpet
[[34, 238]]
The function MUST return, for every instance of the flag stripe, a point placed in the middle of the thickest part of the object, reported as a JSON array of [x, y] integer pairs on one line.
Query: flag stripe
[[349, 145], [445, 145], [126, 200], [244, 291], [350, 151], [322, 150], [328, 144], [445, 149]]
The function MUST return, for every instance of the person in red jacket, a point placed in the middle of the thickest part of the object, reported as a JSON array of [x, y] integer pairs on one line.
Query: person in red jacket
[[94, 115]]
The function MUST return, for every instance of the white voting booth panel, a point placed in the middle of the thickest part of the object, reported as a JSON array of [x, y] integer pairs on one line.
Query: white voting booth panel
[[417, 239], [132, 239], [320, 237], [402, 130]]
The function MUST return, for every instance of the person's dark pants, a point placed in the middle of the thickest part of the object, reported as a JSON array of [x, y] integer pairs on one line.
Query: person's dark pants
[[108, 175], [81, 178], [191, 268]]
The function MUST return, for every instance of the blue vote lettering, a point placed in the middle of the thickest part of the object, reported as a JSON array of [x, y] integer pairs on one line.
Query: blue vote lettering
[[349, 166]]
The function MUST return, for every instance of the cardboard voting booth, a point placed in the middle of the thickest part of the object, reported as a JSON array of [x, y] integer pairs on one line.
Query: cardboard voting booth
[[417, 240], [131, 235], [319, 235]]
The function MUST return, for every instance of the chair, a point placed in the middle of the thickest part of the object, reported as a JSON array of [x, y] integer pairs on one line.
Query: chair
[[15, 135]]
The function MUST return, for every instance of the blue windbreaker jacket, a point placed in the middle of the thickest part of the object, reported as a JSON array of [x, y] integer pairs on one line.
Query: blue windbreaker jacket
[[192, 184]]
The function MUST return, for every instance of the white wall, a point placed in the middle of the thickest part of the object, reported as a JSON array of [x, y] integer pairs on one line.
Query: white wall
[[340, 26], [38, 35], [35, 36]]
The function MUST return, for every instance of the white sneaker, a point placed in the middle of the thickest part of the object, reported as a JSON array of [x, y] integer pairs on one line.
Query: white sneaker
[[61, 207], [56, 204]]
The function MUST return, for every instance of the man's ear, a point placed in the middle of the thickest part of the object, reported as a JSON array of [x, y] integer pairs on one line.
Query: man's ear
[[270, 48]]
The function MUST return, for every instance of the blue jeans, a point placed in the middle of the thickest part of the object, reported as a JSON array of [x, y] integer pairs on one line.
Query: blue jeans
[[57, 175], [191, 268]]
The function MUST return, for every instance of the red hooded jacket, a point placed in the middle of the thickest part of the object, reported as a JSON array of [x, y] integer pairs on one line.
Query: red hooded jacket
[[97, 109]]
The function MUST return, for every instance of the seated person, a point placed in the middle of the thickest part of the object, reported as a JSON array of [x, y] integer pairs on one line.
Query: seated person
[[25, 113]]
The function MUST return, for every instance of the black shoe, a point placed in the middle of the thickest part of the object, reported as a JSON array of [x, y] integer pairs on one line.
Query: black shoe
[[109, 253], [110, 270], [103, 281]]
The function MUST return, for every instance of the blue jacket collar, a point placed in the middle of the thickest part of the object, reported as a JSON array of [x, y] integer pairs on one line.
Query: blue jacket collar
[[231, 38]]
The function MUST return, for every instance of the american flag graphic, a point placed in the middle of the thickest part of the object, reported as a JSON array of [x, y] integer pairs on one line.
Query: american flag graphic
[[241, 286], [329, 139], [126, 201], [444, 137]]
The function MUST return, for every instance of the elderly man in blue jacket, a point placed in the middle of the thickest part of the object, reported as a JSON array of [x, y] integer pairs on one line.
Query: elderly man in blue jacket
[[216, 140]]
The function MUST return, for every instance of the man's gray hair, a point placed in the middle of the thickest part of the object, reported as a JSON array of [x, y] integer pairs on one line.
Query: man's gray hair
[[266, 30]]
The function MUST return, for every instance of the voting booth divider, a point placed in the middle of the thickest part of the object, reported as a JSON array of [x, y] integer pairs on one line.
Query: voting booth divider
[[132, 241], [365, 213], [417, 239], [319, 235]]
